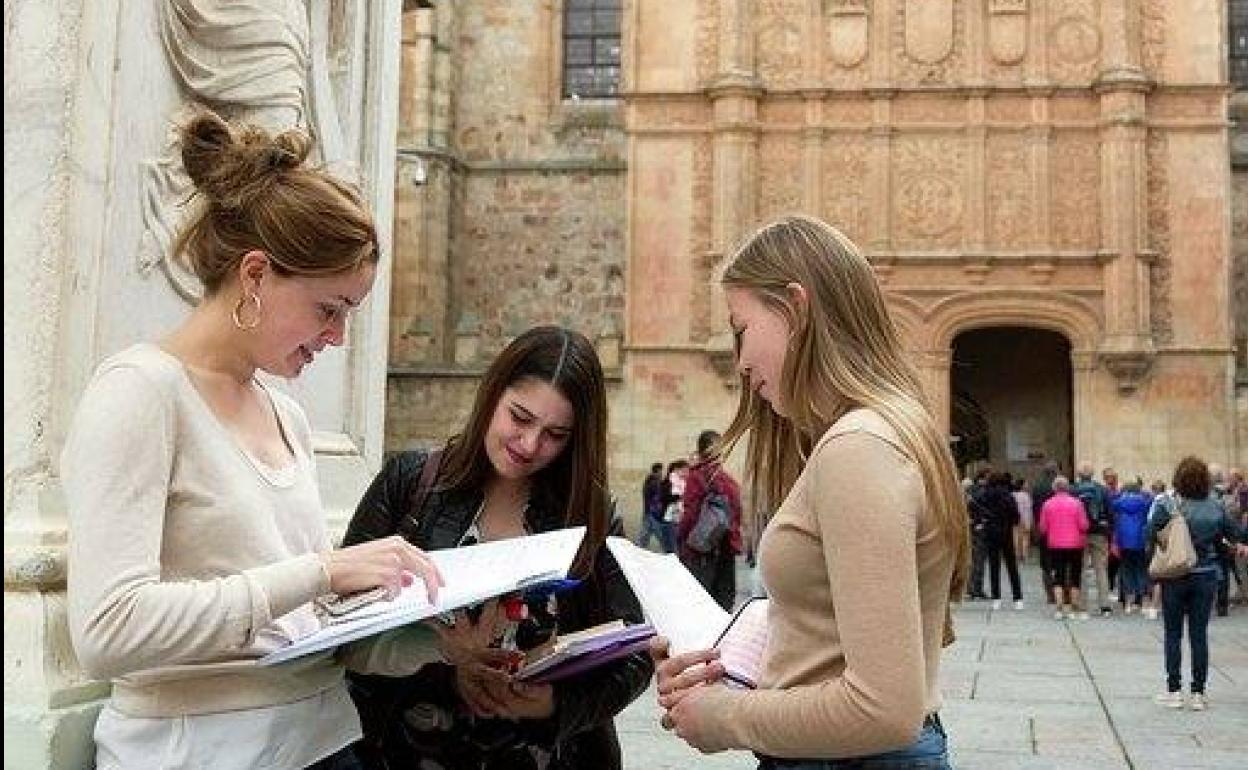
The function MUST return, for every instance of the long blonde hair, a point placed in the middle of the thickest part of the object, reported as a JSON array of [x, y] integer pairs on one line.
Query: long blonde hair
[[843, 353]]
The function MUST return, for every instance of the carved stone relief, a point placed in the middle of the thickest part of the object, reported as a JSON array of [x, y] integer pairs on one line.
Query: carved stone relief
[[848, 23], [780, 42], [1153, 36], [1157, 192], [782, 112], [707, 40], [929, 30], [926, 108], [1007, 30], [701, 237], [927, 41], [670, 114], [1011, 213], [1009, 109], [780, 174], [220, 59], [928, 174], [844, 184], [1075, 184], [850, 112], [1074, 40]]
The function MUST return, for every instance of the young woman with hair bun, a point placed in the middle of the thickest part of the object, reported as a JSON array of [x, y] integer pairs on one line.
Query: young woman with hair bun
[[196, 532]]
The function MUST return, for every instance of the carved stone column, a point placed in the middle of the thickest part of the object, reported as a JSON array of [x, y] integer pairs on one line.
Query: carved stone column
[[976, 181], [1082, 406], [812, 153], [1127, 349], [934, 367], [734, 95], [879, 173]]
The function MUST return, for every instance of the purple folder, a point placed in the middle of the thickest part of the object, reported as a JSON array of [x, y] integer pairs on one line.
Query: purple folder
[[589, 654]]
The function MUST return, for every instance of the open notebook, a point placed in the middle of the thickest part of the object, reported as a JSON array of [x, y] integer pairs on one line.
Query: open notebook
[[681, 610], [472, 574]]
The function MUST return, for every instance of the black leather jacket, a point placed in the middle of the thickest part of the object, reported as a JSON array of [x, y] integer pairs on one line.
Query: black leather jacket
[[581, 730]]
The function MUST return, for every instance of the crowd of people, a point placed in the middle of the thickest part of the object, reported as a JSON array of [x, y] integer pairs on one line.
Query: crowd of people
[[1110, 531]]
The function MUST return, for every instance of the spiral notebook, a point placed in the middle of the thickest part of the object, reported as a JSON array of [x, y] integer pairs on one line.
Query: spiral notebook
[[681, 610]]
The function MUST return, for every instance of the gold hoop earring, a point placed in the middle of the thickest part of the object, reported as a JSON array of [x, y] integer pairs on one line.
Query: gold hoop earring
[[237, 313]]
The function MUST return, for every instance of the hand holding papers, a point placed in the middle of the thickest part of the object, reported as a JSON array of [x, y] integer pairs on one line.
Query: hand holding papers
[[683, 612], [472, 574]]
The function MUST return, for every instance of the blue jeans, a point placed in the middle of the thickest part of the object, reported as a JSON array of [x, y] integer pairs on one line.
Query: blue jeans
[[650, 527], [1190, 596], [1133, 576], [929, 752], [343, 759]]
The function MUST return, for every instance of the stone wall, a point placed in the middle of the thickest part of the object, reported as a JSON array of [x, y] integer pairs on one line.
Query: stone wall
[[519, 218], [1239, 255], [1054, 165]]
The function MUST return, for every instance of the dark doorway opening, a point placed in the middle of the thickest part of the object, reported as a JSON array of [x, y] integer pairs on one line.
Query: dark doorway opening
[[1011, 400]]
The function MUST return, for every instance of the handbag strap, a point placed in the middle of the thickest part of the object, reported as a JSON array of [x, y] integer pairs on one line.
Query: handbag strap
[[424, 485]]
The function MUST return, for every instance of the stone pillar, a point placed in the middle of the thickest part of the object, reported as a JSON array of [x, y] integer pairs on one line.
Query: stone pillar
[[879, 174], [734, 95], [813, 95], [812, 153], [975, 182], [1127, 347], [1083, 404], [89, 113], [934, 368], [423, 331]]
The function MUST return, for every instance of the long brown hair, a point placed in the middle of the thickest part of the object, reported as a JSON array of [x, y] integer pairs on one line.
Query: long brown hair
[[256, 192], [575, 481], [844, 353]]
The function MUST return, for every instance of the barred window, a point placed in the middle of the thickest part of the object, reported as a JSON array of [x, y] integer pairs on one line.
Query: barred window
[[591, 48], [1237, 23]]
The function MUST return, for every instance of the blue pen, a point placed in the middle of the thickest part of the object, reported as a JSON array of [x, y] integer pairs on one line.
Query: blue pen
[[549, 587]]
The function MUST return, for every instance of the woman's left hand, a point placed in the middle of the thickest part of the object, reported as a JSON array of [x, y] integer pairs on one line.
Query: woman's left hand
[[688, 718], [677, 674]]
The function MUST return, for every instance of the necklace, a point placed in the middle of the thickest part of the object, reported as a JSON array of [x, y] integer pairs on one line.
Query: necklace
[[476, 534]]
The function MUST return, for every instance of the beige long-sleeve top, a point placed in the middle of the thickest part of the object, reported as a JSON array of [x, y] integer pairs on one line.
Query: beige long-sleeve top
[[188, 559], [858, 577]]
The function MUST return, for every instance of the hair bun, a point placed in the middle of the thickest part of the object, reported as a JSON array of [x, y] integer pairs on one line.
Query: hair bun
[[232, 165]]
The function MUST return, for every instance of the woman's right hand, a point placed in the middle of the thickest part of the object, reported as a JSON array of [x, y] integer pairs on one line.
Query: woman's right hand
[[390, 562], [480, 668], [676, 675]]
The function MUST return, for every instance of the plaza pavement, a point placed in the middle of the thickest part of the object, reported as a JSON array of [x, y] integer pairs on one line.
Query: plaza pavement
[[1022, 690]]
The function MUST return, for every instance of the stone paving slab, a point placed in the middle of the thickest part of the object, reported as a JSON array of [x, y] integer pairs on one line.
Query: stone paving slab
[[1025, 691]]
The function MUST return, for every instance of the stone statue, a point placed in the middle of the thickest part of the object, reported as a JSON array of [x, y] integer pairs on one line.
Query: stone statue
[[260, 61]]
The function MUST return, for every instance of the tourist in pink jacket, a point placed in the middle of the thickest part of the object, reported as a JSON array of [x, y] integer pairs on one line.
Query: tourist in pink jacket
[[1064, 526]]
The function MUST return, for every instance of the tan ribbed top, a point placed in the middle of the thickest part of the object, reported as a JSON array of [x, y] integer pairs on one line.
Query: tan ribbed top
[[859, 582]]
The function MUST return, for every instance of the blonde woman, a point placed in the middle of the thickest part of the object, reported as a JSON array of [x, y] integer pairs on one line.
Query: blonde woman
[[869, 542]]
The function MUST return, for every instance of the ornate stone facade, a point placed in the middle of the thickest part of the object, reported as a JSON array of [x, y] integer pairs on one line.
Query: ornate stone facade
[[1003, 163]]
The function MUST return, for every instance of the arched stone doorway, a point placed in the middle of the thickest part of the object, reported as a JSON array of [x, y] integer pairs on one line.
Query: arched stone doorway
[[1011, 399]]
